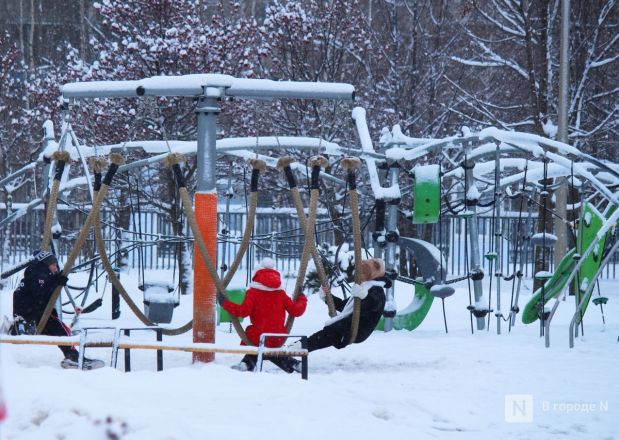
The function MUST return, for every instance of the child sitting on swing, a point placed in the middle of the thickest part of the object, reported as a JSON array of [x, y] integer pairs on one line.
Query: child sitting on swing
[[266, 304], [371, 292]]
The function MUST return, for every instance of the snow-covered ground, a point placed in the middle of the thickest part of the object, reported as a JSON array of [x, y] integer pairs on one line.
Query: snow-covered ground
[[423, 384]]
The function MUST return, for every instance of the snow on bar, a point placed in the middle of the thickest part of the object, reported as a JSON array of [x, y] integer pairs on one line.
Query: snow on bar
[[194, 85], [388, 193]]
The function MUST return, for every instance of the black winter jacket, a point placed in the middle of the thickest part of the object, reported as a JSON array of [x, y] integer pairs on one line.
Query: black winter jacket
[[34, 291], [372, 307]]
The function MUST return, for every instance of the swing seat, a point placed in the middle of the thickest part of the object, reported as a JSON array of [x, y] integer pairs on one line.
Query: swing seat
[[159, 303], [600, 300], [441, 291]]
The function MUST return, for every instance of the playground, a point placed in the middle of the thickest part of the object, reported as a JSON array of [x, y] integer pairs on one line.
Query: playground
[[424, 383], [483, 333]]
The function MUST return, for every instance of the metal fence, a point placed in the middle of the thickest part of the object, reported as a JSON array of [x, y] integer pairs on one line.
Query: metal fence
[[149, 242]]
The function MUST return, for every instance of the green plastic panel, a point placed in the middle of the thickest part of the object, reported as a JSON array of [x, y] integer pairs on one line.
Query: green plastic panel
[[427, 194], [236, 296]]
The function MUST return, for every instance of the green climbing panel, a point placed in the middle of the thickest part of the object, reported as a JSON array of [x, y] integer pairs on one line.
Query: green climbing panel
[[589, 231], [234, 295], [552, 287], [591, 222], [427, 194], [412, 316]]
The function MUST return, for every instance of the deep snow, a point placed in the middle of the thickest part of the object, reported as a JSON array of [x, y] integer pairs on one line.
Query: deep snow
[[423, 384]]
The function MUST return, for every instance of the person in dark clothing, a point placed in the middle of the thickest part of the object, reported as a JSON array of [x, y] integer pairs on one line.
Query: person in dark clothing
[[31, 297], [336, 332]]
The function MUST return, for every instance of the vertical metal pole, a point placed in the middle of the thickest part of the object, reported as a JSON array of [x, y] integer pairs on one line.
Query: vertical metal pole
[[205, 205], [498, 238], [304, 366], [473, 240], [116, 297], [378, 231], [392, 240], [564, 96], [127, 333], [82, 349], [378, 246], [159, 352]]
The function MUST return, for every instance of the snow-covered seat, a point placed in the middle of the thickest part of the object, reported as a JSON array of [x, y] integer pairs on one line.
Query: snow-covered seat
[[159, 302]]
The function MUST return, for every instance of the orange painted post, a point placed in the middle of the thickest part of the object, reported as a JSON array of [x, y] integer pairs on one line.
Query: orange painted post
[[205, 205], [204, 292]]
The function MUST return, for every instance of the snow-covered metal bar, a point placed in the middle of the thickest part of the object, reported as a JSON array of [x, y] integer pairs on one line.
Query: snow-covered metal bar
[[393, 191], [194, 85]]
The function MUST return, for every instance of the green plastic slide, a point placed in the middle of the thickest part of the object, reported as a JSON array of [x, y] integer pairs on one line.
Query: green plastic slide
[[591, 222], [412, 316], [552, 287]]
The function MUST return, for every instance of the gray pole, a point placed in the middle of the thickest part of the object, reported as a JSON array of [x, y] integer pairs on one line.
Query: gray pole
[[498, 240], [392, 236], [564, 96], [473, 240], [207, 111]]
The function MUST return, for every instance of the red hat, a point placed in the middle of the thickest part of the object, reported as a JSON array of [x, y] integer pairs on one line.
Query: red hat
[[266, 276]]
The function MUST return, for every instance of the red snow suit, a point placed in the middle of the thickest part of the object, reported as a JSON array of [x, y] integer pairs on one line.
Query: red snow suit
[[267, 312]]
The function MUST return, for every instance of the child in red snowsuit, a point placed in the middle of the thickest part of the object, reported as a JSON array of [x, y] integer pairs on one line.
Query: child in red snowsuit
[[266, 304]]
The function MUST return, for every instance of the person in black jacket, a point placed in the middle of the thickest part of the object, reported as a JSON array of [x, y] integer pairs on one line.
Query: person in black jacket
[[336, 332], [31, 297]]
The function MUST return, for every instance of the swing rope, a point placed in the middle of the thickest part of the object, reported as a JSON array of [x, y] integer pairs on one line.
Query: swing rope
[[111, 274], [317, 163], [283, 164], [116, 160], [173, 161], [258, 166], [351, 164], [61, 158]]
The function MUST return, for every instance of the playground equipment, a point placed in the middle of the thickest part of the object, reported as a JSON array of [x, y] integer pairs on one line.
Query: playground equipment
[[476, 171]]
